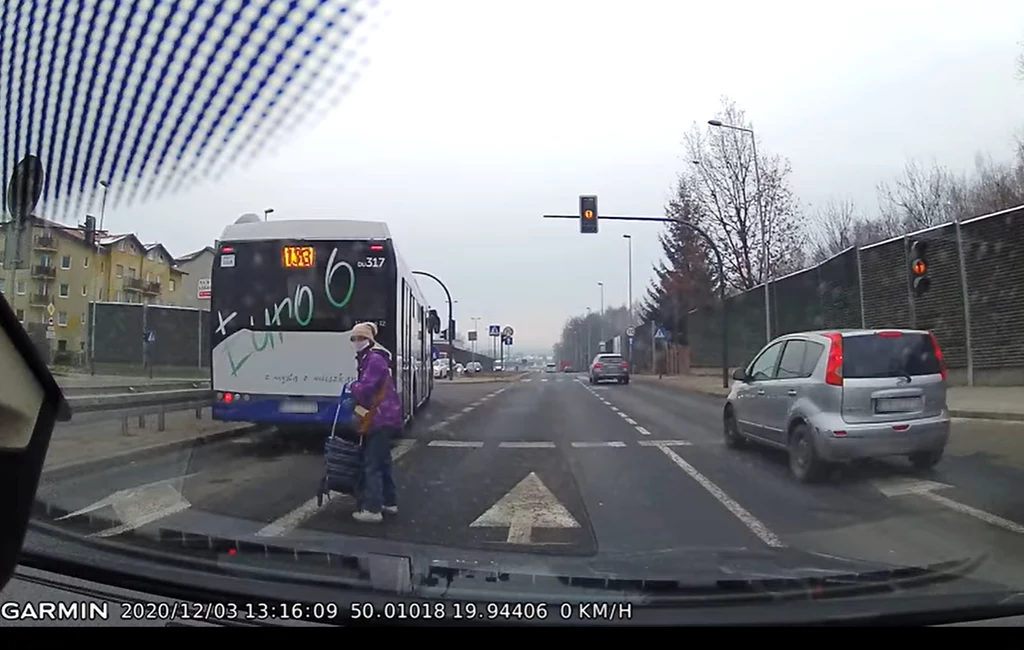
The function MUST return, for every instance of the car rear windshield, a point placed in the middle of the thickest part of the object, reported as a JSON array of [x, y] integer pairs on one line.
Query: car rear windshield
[[889, 355], [610, 360]]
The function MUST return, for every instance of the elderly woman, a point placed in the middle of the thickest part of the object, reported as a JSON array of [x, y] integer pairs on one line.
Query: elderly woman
[[374, 390]]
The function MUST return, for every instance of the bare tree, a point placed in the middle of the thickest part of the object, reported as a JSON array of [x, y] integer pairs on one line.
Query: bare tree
[[921, 197], [727, 200], [834, 230]]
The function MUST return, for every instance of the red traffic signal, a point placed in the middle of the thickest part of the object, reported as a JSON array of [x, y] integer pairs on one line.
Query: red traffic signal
[[919, 281]]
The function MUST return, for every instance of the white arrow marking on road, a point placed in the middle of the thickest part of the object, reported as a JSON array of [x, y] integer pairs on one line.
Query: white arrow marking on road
[[530, 504], [137, 506], [901, 487]]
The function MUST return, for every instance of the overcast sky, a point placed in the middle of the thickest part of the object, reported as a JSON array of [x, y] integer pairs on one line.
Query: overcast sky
[[476, 117]]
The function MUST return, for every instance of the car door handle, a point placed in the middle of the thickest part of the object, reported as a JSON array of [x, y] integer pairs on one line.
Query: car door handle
[[791, 393]]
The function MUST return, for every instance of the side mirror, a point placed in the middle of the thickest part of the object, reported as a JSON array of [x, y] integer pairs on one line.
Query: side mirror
[[740, 374], [31, 403]]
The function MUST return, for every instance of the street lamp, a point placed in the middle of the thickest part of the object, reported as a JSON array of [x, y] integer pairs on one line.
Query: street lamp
[[267, 213], [629, 286], [600, 323], [764, 226]]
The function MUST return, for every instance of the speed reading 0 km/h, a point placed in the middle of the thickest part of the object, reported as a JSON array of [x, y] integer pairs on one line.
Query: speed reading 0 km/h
[[297, 257]]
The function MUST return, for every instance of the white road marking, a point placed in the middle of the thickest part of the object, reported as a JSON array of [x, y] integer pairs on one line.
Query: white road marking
[[527, 445], [455, 443], [631, 421], [528, 505], [614, 408], [664, 443], [467, 409], [292, 520], [587, 444], [927, 489], [543, 380], [525, 381], [643, 431], [750, 521], [625, 416], [478, 402]]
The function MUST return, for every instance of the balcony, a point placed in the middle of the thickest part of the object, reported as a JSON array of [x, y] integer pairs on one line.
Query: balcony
[[40, 299], [45, 243], [46, 272], [133, 284], [151, 288]]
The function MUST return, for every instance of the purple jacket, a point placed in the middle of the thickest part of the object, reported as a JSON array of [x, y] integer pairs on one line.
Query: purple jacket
[[374, 371]]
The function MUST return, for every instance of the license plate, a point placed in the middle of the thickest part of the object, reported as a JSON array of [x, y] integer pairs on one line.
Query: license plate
[[898, 405], [299, 407]]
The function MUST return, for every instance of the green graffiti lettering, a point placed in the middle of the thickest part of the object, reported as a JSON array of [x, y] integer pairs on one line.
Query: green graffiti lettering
[[300, 292], [332, 268], [235, 367], [268, 340]]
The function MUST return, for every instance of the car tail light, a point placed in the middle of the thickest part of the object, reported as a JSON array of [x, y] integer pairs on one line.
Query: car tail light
[[890, 335], [625, 366], [834, 369], [938, 354], [597, 366]]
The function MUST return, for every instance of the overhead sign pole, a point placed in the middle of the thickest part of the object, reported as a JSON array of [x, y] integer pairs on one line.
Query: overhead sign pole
[[711, 244]]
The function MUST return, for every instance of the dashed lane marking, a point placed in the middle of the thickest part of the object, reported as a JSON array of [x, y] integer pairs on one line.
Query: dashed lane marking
[[456, 443], [468, 409], [527, 445], [741, 513]]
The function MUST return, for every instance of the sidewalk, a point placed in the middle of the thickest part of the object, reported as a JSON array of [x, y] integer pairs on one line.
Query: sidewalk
[[980, 402], [73, 445]]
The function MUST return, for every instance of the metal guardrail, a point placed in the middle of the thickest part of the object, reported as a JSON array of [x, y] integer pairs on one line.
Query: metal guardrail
[[124, 389], [161, 411], [149, 399]]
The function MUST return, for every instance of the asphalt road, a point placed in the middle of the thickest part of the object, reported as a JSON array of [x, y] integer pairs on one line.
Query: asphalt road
[[631, 477]]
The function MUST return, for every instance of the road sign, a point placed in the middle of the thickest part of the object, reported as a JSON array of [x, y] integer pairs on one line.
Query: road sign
[[50, 309], [630, 341], [660, 334], [493, 330], [506, 340], [49, 321], [203, 287], [471, 335], [630, 331], [508, 331], [528, 505]]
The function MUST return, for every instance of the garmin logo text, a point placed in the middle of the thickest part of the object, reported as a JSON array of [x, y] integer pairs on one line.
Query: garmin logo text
[[54, 611]]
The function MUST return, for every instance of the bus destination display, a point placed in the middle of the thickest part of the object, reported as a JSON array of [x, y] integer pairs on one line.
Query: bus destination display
[[297, 257]]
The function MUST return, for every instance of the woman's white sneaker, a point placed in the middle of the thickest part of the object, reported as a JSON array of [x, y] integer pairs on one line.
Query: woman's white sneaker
[[368, 517]]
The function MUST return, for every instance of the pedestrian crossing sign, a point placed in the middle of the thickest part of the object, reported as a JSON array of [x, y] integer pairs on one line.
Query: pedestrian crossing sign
[[660, 334]]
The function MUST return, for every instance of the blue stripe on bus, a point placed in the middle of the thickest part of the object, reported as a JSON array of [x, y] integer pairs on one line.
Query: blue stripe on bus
[[269, 410]]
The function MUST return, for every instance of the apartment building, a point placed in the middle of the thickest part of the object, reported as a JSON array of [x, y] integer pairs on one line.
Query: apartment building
[[62, 274], [197, 266]]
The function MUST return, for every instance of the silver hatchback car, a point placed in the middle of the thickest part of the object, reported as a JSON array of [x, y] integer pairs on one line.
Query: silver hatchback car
[[836, 396]]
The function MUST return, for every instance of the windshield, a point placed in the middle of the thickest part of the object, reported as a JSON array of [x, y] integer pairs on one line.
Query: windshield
[[764, 321]]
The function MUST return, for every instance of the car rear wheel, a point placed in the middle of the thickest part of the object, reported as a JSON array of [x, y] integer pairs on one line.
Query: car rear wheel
[[926, 459], [804, 464], [733, 438]]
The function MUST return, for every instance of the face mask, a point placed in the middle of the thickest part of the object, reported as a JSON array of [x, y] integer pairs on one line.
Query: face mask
[[361, 345]]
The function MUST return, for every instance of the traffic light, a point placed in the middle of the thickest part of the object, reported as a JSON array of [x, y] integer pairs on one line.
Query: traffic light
[[588, 215], [920, 283]]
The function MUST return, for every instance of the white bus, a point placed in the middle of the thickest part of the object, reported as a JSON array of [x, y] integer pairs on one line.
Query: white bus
[[284, 298]]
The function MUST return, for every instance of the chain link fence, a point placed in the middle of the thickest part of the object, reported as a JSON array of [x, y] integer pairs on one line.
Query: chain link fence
[[156, 338], [975, 305]]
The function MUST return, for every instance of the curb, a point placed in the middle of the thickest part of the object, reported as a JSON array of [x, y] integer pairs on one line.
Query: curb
[[986, 415], [966, 414], [647, 379], [67, 470]]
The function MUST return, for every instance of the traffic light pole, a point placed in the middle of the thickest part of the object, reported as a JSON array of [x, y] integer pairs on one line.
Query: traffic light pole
[[448, 325], [721, 273]]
